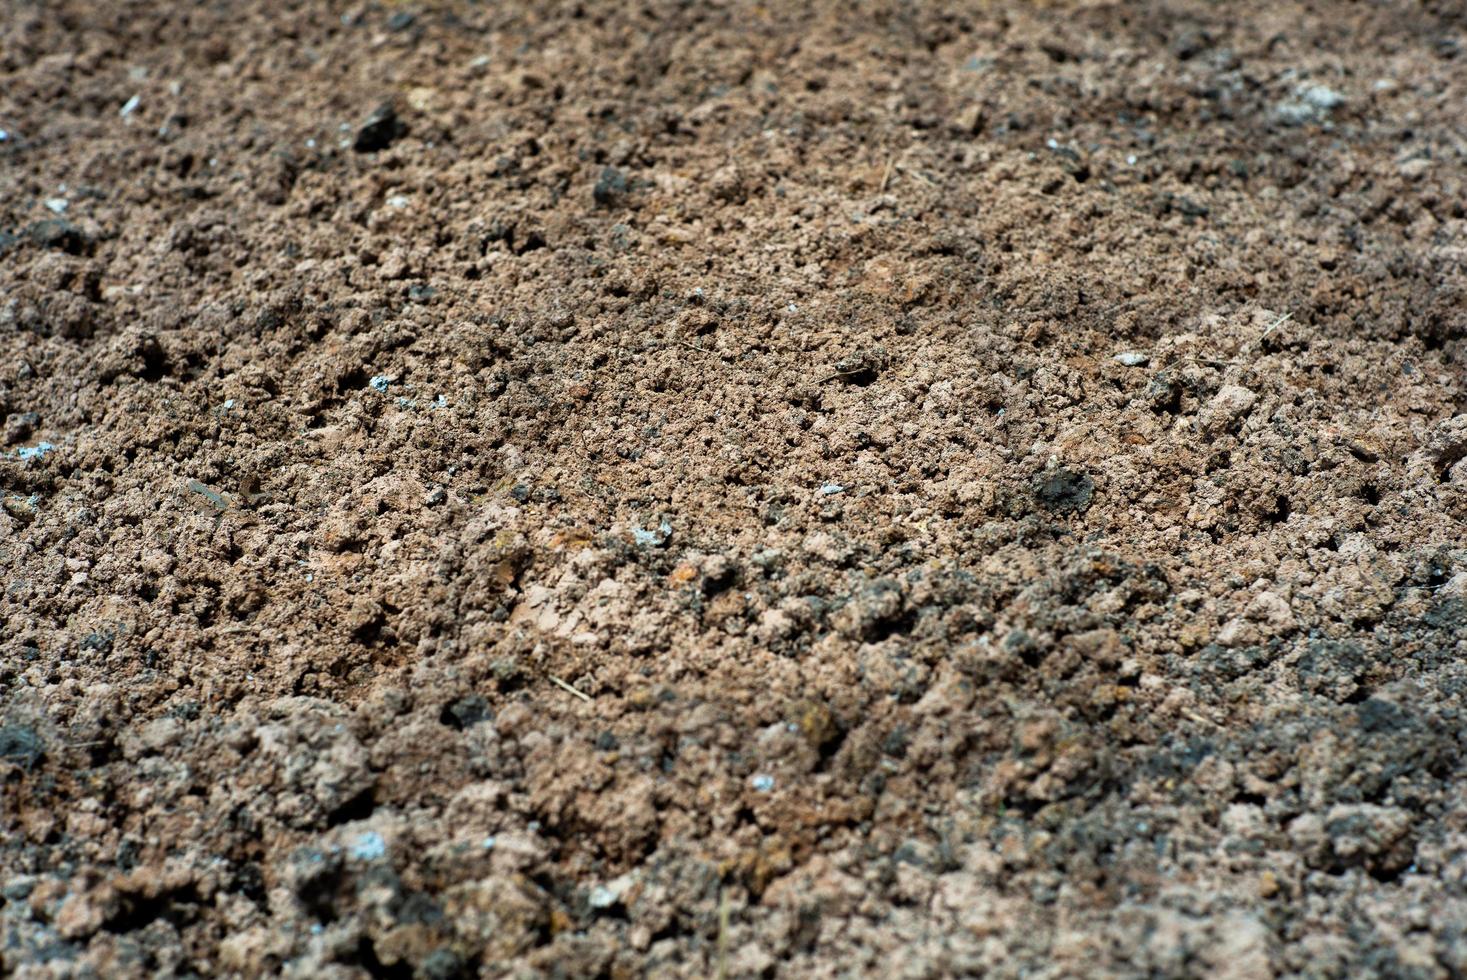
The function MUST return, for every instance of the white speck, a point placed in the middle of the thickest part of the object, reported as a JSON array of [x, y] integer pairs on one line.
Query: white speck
[[831, 489], [379, 383], [398, 201], [317, 928], [310, 577], [129, 106], [405, 402], [311, 143], [1052, 143], [57, 205], [1131, 358], [793, 308], [762, 783], [791, 727], [489, 842], [1322, 97], [228, 404], [441, 401], [4, 135], [1131, 160], [38, 451], [369, 846], [653, 539], [602, 897]]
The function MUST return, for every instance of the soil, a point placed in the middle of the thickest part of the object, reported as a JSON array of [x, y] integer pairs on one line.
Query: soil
[[733, 490]]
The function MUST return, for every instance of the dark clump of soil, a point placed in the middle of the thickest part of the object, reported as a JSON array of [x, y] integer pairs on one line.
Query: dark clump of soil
[[737, 490]]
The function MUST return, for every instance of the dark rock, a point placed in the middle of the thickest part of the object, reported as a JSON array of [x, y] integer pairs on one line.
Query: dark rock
[[21, 745], [466, 712], [20, 426], [380, 130], [1064, 490], [610, 188], [56, 233], [401, 21]]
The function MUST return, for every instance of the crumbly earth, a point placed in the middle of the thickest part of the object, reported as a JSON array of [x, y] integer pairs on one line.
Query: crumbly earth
[[733, 490]]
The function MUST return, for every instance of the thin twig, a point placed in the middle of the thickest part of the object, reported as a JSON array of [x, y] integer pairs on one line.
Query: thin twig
[[568, 688]]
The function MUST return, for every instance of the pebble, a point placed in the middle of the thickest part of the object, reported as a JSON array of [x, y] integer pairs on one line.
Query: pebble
[[379, 383], [762, 783], [830, 489], [379, 131], [610, 187], [1132, 358], [1311, 104], [130, 106]]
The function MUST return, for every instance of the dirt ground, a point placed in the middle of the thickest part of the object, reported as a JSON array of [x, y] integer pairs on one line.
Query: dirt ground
[[730, 490]]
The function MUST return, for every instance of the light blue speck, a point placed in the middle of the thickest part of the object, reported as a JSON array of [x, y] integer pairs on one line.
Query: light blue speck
[[762, 783], [369, 846], [379, 383], [489, 842], [34, 452], [831, 489]]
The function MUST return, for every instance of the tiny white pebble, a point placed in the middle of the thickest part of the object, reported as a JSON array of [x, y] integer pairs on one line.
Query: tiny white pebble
[[762, 783], [57, 205], [129, 106], [1131, 358], [830, 489]]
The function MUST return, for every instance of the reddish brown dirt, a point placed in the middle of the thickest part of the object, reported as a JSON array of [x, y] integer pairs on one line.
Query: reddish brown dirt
[[726, 490]]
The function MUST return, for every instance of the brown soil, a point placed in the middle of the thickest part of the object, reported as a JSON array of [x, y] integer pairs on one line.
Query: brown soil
[[708, 489]]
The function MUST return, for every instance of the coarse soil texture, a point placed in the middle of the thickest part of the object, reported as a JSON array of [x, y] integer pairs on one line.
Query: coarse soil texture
[[506, 489]]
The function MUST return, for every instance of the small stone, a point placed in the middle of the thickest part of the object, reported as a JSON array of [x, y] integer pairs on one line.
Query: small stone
[[379, 131], [1229, 405], [19, 426], [610, 187], [20, 745], [1132, 358], [762, 783], [63, 235], [1064, 490]]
